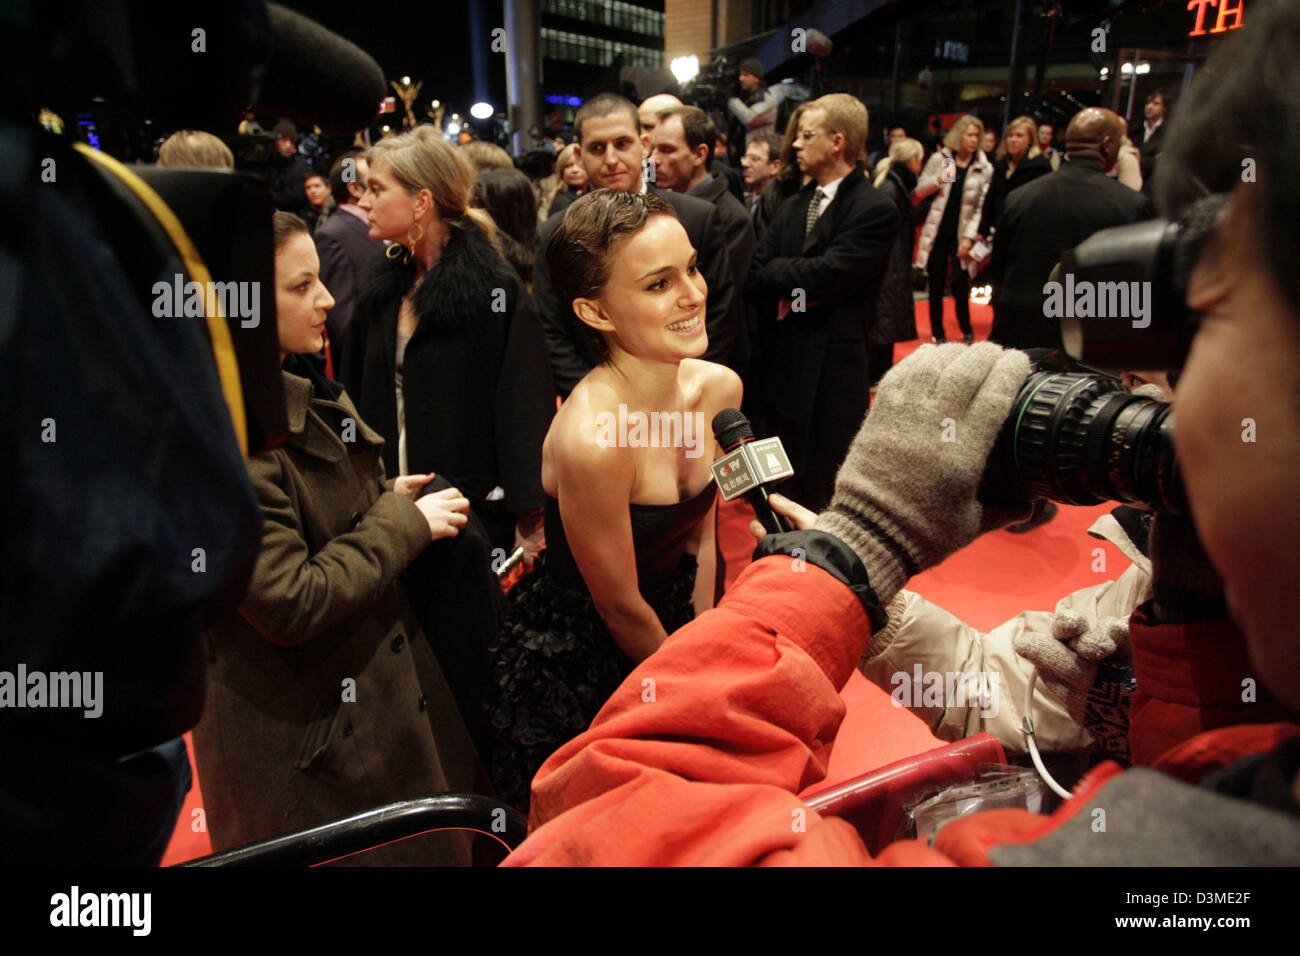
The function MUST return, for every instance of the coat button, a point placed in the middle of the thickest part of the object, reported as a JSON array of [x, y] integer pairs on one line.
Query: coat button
[[398, 641], [424, 702], [347, 731]]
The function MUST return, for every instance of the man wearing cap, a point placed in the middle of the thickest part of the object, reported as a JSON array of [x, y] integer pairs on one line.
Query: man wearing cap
[[287, 173], [758, 110]]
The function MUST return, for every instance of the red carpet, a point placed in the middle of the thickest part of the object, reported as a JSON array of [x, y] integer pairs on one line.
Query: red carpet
[[985, 584]]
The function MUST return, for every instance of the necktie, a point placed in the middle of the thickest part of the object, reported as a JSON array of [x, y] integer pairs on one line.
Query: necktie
[[814, 208]]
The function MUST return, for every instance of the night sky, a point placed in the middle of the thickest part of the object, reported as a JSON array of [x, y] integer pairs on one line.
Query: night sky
[[426, 39]]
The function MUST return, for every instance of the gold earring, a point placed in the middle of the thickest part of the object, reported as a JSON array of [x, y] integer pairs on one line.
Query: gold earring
[[395, 249]]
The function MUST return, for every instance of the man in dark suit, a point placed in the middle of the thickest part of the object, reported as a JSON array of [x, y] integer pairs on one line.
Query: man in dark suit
[[1149, 135], [815, 281], [609, 138], [344, 245], [1056, 212], [681, 147]]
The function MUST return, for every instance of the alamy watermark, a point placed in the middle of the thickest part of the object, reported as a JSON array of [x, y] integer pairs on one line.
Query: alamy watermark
[[946, 689], [181, 299], [76, 690], [1098, 300], [639, 429]]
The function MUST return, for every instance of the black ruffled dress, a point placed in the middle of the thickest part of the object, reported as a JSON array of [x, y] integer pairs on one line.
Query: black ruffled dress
[[555, 663]]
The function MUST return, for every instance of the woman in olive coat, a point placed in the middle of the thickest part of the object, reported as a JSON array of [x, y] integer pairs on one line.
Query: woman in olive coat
[[324, 698]]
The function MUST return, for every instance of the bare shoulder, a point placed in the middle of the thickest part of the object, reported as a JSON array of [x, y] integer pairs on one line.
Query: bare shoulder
[[718, 386], [577, 444]]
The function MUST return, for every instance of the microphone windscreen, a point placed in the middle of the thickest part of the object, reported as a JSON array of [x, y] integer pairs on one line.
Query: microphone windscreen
[[316, 76], [730, 428]]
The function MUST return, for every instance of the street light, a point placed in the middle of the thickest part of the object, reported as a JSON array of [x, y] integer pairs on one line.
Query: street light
[[685, 68]]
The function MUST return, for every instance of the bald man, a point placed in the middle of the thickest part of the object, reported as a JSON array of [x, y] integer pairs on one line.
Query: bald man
[[649, 111], [1056, 212]]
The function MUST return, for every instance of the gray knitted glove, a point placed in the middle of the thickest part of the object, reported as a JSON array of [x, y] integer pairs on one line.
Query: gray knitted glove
[[905, 495], [1089, 668]]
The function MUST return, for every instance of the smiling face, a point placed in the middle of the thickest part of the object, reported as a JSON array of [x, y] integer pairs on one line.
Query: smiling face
[[612, 151], [301, 300], [652, 306], [1045, 134], [390, 209], [1238, 438]]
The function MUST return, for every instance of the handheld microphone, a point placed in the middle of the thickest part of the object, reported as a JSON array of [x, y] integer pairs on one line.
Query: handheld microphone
[[748, 466]]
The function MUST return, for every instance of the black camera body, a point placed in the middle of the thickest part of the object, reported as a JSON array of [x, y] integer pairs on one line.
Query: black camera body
[[1075, 434]]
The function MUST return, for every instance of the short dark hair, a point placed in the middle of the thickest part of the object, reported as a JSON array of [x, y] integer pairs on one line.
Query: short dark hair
[[771, 140], [698, 128], [579, 252], [338, 187], [1164, 96], [1237, 110], [605, 104]]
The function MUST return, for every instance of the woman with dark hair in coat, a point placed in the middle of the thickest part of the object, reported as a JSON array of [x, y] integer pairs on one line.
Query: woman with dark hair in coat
[[445, 357], [508, 197], [324, 698]]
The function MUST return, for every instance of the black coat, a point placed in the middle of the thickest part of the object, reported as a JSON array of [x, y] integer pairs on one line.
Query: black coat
[[478, 395], [286, 176], [1040, 222], [572, 355], [1148, 151], [738, 233], [895, 312], [345, 248], [731, 176], [563, 199], [1001, 187], [813, 376]]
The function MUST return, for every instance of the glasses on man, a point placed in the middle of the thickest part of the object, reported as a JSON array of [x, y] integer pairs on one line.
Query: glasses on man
[[807, 134]]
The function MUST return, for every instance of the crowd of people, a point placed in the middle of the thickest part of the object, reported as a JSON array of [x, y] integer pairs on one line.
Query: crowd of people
[[455, 337]]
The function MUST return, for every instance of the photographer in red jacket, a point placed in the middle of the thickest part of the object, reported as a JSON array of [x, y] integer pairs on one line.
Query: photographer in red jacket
[[700, 755]]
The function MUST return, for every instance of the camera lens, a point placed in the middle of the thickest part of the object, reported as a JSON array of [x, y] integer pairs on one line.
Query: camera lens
[[1083, 439]]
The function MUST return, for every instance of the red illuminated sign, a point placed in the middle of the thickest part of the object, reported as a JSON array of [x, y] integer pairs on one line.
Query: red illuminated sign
[[1227, 9]]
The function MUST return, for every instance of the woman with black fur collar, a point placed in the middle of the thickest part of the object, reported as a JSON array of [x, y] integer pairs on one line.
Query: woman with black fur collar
[[446, 356]]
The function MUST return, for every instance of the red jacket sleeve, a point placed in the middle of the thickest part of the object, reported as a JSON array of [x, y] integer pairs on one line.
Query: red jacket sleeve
[[698, 757]]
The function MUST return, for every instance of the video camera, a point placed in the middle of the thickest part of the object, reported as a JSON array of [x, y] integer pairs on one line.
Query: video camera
[[1075, 435], [716, 83]]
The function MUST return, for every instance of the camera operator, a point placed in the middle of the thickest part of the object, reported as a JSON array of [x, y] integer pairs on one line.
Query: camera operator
[[746, 704], [758, 109]]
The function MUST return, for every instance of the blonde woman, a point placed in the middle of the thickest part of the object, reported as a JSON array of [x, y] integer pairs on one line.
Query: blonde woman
[[961, 174], [895, 177], [1128, 168], [445, 356], [1018, 161], [573, 175]]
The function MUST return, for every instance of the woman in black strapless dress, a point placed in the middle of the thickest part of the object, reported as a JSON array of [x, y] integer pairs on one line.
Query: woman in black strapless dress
[[630, 552]]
